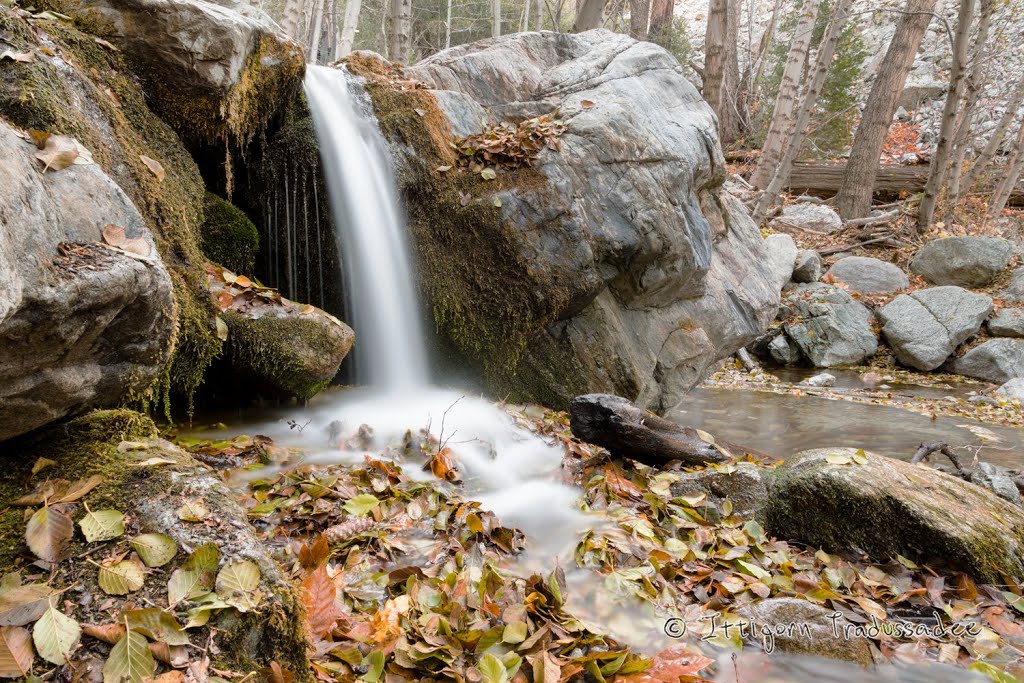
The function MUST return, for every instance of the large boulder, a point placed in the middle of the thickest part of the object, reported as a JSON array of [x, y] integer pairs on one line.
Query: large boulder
[[828, 326], [807, 216], [214, 70], [971, 261], [998, 360], [782, 254], [82, 324], [869, 275], [1012, 389], [807, 267], [843, 500], [1015, 290], [924, 328], [616, 263], [1008, 322]]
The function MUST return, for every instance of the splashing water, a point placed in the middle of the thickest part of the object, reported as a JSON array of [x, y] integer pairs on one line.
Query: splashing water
[[390, 349]]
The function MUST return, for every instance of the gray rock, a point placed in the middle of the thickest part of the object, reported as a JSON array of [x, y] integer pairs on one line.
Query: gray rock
[[782, 351], [829, 327], [630, 233], [998, 360], [887, 507], [782, 254], [996, 479], [807, 267], [1008, 322], [81, 329], [806, 216], [743, 488], [924, 328], [823, 379], [815, 634], [1013, 389], [971, 261], [869, 275], [1015, 290]]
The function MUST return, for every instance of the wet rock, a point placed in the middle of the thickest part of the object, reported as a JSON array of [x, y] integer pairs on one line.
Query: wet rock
[[227, 236], [807, 216], [81, 326], [1015, 290], [828, 326], [924, 328], [869, 275], [807, 267], [821, 380], [743, 488], [998, 360], [816, 631], [1012, 389], [887, 507], [782, 254], [971, 261], [997, 479], [1008, 322], [782, 351]]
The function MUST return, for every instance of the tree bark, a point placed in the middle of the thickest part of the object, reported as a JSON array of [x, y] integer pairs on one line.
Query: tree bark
[[495, 18], [400, 21], [316, 28], [348, 29], [661, 17], [589, 16], [785, 102], [1014, 168], [715, 38], [940, 159], [854, 196], [974, 83], [985, 158], [291, 20], [639, 18], [797, 133]]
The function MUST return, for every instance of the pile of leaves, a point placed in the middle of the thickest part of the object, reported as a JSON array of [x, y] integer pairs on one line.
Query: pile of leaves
[[140, 637], [507, 146]]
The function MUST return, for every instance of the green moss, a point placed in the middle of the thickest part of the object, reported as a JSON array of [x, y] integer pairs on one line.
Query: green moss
[[227, 236]]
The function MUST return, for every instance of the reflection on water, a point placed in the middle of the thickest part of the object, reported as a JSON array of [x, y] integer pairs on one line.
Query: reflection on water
[[784, 424]]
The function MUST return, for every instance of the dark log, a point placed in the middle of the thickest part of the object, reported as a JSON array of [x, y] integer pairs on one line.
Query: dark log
[[823, 178], [628, 431]]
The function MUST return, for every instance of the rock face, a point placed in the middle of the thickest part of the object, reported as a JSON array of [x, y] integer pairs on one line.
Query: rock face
[[1015, 290], [965, 261], [924, 328], [81, 325], [744, 488], [783, 351], [213, 69], [999, 361], [616, 264], [1008, 322], [828, 326], [869, 275], [807, 267], [813, 217], [821, 634], [1012, 389], [888, 507], [782, 254]]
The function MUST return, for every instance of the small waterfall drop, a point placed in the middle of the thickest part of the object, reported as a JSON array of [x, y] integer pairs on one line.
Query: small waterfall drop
[[390, 348]]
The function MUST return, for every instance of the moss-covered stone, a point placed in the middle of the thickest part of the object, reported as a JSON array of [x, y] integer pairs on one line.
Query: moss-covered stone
[[888, 507], [227, 236]]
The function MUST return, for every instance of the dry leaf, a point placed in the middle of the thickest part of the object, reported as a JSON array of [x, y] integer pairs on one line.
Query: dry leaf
[[154, 166], [15, 652], [47, 533], [23, 57], [58, 152], [318, 595], [586, 104]]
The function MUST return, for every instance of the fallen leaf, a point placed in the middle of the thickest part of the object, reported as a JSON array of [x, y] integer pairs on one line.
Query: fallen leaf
[[237, 583], [156, 624], [15, 652], [23, 57], [58, 152], [122, 578], [488, 174], [55, 636], [586, 104], [102, 525], [130, 660], [318, 595], [193, 511], [22, 605], [155, 167], [47, 533], [155, 550], [42, 464], [80, 488]]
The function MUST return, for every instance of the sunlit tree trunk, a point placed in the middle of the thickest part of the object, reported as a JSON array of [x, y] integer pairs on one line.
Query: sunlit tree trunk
[[348, 28], [974, 84], [589, 15], [639, 18], [940, 159], [1014, 169], [854, 196], [661, 17], [316, 28], [400, 20], [785, 103], [291, 20], [495, 18], [992, 146]]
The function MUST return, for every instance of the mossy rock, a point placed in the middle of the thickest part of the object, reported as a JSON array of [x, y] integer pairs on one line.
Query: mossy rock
[[829, 499], [228, 237], [291, 350], [149, 479]]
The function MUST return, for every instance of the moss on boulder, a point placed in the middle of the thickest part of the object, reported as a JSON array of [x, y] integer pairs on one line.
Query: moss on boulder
[[826, 498], [227, 236]]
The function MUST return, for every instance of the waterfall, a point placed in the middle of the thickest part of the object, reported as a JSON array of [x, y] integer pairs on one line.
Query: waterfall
[[371, 232]]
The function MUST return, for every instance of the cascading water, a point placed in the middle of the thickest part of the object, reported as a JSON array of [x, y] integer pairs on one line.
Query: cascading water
[[390, 349]]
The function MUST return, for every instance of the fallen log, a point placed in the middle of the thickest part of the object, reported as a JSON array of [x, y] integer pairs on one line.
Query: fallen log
[[628, 431], [823, 178]]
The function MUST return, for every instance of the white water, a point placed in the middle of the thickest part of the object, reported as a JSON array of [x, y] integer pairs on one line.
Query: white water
[[371, 231]]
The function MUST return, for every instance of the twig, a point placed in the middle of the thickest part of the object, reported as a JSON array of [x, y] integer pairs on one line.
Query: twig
[[872, 220], [836, 250], [926, 449], [749, 364]]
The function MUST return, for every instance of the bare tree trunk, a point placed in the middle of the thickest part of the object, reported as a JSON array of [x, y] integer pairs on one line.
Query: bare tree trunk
[[524, 26], [316, 24], [639, 18], [1014, 168], [989, 153], [735, 121], [291, 20], [797, 134], [715, 37], [854, 196], [448, 26], [661, 17], [538, 21], [495, 18], [937, 169], [400, 20], [589, 16], [348, 29], [762, 47], [961, 141], [785, 103]]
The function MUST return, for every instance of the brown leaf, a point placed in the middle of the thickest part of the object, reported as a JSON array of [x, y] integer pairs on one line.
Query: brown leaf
[[669, 666], [80, 488], [21, 605], [58, 152], [275, 674], [47, 533], [106, 43], [23, 57], [318, 595], [311, 556], [15, 652], [108, 633], [586, 104], [168, 677], [114, 235], [155, 167]]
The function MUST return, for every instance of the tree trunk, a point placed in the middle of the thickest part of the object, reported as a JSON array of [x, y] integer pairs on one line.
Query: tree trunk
[[291, 20], [715, 37], [589, 16], [639, 18], [937, 171], [348, 29], [981, 163], [524, 25], [316, 28], [538, 21], [448, 25], [975, 82], [854, 196], [1014, 167], [400, 20], [798, 131], [785, 102], [733, 117], [495, 18], [762, 48], [661, 17]]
